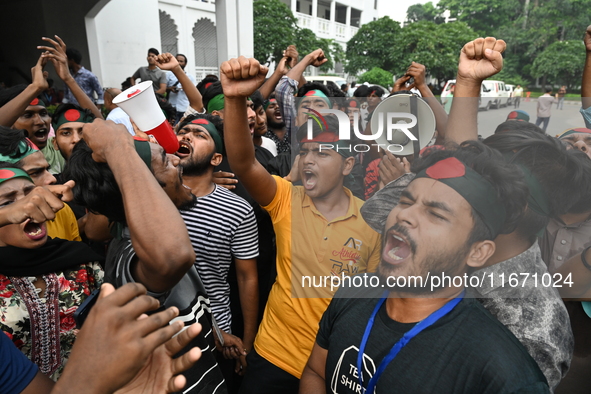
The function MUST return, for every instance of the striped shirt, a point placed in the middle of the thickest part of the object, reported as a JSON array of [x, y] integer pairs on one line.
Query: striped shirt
[[221, 226]]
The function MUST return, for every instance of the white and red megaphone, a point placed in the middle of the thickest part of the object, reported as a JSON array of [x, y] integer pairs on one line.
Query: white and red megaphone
[[139, 102]]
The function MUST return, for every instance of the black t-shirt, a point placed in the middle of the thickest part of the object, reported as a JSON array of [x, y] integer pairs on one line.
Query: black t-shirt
[[190, 297], [466, 351]]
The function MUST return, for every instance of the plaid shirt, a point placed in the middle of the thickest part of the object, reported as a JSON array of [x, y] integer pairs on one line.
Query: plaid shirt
[[89, 83], [284, 93]]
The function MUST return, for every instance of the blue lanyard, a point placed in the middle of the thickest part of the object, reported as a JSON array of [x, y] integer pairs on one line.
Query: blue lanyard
[[410, 334]]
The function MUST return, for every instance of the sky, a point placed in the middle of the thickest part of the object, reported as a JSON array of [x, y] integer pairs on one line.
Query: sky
[[396, 9]]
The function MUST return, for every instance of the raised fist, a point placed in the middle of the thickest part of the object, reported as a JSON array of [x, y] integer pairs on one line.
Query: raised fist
[[317, 58], [481, 59], [166, 61], [241, 77]]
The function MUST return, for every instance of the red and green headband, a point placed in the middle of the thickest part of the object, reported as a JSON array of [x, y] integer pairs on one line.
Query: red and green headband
[[479, 192], [318, 93], [7, 174], [574, 131], [73, 115], [25, 148], [211, 129]]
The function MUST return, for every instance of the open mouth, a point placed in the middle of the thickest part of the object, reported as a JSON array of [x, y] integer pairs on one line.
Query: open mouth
[[35, 231], [397, 249], [251, 127], [41, 134], [309, 179], [185, 149], [277, 116]]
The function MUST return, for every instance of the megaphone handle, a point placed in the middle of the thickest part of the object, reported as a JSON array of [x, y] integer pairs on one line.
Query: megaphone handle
[[415, 130]]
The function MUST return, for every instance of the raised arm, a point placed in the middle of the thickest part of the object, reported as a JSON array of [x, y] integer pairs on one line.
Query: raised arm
[[166, 61], [289, 60], [586, 85], [11, 111], [479, 59], [160, 238], [240, 78], [59, 59]]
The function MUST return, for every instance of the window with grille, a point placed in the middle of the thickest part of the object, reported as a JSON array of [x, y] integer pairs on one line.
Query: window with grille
[[168, 34], [206, 46]]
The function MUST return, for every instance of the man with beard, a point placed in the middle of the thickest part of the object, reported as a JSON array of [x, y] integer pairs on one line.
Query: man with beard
[[276, 129], [421, 339], [139, 188], [222, 229]]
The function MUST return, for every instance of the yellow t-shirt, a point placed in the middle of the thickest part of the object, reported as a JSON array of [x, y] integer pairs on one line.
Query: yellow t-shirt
[[319, 249], [64, 226]]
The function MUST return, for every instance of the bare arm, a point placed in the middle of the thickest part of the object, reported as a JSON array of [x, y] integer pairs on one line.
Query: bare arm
[[162, 89], [240, 78], [289, 60], [160, 240], [586, 85], [11, 111], [479, 59], [166, 61], [313, 379], [57, 56], [315, 59], [248, 287]]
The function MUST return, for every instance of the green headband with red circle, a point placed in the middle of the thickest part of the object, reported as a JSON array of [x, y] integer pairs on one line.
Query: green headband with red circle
[[7, 174], [73, 115], [25, 148]]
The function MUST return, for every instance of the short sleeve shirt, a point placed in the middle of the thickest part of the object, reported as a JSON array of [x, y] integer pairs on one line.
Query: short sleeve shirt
[[157, 76]]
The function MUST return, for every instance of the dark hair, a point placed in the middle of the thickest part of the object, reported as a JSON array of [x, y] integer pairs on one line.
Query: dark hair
[[343, 86], [213, 90], [506, 178], [64, 107], [210, 79], [517, 125], [377, 90], [10, 140], [74, 54], [257, 99], [154, 51], [561, 173], [331, 121], [180, 54], [96, 187], [548, 90], [216, 120], [313, 86], [361, 91], [10, 93]]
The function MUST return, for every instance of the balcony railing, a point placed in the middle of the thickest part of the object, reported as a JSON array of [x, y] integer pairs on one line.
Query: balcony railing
[[325, 28], [201, 72]]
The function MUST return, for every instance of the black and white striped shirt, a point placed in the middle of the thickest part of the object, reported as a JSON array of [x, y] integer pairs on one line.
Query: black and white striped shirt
[[221, 225]]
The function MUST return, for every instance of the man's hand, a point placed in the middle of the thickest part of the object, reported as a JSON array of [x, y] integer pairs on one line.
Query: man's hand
[[160, 373], [241, 77], [57, 56], [417, 71], [481, 59], [316, 58], [400, 84], [225, 179], [63, 192], [39, 78], [103, 136], [587, 39], [282, 66], [167, 61], [391, 168], [292, 56], [38, 206], [117, 340]]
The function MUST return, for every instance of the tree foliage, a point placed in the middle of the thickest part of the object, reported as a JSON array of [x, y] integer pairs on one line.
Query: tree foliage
[[424, 12], [377, 76], [484, 16], [372, 46], [562, 62], [274, 29]]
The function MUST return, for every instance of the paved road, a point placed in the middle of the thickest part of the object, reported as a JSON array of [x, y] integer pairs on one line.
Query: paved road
[[559, 121]]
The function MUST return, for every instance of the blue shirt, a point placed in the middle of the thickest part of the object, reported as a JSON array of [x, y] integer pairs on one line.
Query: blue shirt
[[16, 370], [179, 100], [89, 84]]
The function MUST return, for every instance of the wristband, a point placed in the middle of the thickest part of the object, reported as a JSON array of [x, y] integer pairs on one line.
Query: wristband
[[584, 260]]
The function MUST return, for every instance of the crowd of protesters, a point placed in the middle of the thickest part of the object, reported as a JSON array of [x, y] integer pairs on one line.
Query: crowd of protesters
[[187, 269]]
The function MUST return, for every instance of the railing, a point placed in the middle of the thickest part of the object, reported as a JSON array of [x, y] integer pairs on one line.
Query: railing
[[326, 28], [341, 30], [201, 72], [305, 21], [323, 26]]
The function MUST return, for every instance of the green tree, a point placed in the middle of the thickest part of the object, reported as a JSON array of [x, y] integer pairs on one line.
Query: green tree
[[484, 16], [436, 46], [306, 42], [274, 29], [377, 76], [424, 12], [372, 46], [562, 62]]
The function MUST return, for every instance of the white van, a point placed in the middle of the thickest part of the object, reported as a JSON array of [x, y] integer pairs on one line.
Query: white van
[[493, 94]]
